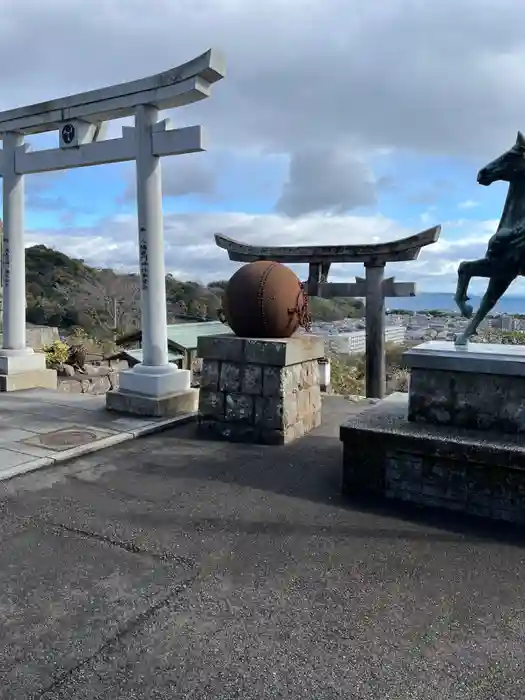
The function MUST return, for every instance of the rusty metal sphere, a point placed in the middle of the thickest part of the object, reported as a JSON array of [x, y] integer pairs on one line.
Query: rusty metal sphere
[[264, 299]]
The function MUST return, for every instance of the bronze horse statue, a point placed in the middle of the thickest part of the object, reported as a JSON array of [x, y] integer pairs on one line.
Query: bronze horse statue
[[504, 260]]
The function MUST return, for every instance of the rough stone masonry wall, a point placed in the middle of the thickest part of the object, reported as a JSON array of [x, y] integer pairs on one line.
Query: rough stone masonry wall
[[412, 464], [473, 488], [467, 400], [82, 384], [248, 402]]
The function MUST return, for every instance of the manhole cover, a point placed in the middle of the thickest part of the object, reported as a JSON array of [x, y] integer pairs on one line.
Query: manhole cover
[[67, 438]]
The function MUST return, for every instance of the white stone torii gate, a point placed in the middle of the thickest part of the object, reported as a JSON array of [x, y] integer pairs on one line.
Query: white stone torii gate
[[80, 121]]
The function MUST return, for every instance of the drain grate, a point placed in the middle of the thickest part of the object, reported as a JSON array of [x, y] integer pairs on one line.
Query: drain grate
[[66, 438]]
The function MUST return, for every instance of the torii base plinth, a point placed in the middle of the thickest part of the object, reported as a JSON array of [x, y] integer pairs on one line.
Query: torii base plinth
[[156, 392], [28, 370]]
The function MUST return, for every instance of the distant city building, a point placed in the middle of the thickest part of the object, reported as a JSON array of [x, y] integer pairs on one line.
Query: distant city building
[[504, 323], [397, 319], [419, 320], [354, 342], [395, 334]]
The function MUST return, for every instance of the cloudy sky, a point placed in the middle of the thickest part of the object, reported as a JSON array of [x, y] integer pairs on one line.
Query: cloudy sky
[[339, 121]]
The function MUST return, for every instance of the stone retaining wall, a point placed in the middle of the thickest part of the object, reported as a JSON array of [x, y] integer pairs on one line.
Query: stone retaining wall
[[448, 482], [83, 384], [95, 380]]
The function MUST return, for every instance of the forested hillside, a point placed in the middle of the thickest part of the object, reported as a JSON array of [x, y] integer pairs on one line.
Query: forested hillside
[[65, 292]]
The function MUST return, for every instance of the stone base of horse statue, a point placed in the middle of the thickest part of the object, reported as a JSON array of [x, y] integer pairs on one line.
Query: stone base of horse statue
[[481, 387], [456, 442]]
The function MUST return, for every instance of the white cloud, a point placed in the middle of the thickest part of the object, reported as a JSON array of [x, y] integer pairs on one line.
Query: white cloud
[[440, 77], [468, 204], [191, 253], [324, 179], [343, 79], [181, 175], [426, 217]]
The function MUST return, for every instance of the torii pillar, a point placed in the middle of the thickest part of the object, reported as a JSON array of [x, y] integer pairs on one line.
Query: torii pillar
[[153, 387], [20, 366], [374, 288]]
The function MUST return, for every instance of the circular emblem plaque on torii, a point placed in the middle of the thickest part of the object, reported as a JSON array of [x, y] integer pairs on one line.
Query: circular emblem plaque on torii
[[68, 133]]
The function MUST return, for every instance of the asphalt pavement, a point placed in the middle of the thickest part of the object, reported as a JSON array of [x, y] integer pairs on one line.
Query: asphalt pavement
[[171, 567]]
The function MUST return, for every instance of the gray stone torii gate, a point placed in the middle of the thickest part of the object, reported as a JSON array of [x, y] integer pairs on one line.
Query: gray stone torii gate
[[374, 287], [79, 121]]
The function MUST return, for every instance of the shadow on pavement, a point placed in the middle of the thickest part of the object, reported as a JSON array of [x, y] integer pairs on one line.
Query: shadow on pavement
[[311, 469]]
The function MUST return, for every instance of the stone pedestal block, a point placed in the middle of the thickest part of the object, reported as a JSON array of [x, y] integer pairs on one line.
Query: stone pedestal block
[[455, 442], [155, 391], [25, 369], [180, 403], [259, 391], [436, 466], [480, 387]]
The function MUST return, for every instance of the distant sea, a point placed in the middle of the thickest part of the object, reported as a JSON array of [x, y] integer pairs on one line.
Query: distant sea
[[445, 302]]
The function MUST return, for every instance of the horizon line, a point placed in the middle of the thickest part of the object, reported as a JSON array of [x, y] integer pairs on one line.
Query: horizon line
[[446, 294]]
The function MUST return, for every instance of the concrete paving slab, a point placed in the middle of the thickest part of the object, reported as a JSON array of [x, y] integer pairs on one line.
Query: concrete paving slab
[[12, 458], [37, 397], [67, 436], [38, 423], [74, 412], [28, 417], [25, 449], [130, 424], [11, 434]]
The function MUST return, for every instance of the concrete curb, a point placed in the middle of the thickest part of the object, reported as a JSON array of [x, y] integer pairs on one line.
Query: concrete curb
[[95, 446]]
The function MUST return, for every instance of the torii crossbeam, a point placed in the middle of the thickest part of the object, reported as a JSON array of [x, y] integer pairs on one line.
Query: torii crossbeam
[[374, 287]]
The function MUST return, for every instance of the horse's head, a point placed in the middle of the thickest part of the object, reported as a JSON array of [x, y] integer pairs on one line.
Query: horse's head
[[507, 167]]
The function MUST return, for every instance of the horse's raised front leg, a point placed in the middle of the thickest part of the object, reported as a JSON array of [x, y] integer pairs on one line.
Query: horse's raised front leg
[[496, 289], [466, 271]]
